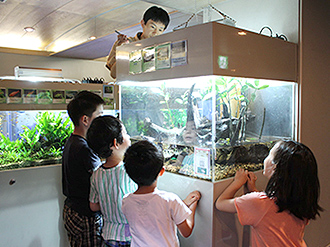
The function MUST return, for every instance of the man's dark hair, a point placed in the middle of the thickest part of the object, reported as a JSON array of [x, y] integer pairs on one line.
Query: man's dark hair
[[294, 183], [156, 14], [102, 133], [84, 103], [143, 161]]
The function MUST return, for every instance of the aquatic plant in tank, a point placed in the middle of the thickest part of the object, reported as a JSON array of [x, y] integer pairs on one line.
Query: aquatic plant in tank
[[161, 112], [237, 119], [40, 143]]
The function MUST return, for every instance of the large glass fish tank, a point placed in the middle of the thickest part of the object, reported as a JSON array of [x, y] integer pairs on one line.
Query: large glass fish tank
[[214, 102], [215, 98], [210, 126], [34, 128]]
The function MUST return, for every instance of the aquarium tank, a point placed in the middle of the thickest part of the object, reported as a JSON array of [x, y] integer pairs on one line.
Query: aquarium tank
[[210, 126], [34, 137]]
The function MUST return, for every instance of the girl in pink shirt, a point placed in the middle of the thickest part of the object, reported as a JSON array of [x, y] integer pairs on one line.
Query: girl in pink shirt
[[279, 215]]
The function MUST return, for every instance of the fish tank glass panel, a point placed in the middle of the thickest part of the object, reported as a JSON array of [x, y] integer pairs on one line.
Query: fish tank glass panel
[[210, 126], [34, 138]]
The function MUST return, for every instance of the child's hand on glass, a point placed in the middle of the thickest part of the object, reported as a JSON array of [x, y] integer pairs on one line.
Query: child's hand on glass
[[250, 185], [241, 177]]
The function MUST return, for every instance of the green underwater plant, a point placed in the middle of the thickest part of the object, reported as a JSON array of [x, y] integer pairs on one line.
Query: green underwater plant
[[176, 117], [46, 140], [53, 129], [233, 97], [164, 109]]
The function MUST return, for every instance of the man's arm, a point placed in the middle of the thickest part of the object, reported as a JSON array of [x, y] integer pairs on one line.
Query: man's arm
[[111, 60], [94, 206]]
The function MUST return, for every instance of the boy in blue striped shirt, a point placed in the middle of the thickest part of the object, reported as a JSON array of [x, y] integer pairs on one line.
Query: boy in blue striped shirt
[[107, 136]]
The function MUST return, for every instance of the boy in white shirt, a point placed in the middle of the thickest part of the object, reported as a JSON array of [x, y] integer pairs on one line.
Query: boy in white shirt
[[154, 22], [154, 215]]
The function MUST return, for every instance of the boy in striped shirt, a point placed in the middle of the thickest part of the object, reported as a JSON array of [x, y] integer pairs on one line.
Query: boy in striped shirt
[[107, 136]]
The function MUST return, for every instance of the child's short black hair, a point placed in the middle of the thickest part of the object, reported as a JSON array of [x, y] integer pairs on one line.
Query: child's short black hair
[[143, 161], [101, 135], [294, 183], [156, 14], [84, 103]]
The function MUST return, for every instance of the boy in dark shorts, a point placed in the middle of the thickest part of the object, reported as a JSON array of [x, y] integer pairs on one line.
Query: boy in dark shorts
[[78, 162]]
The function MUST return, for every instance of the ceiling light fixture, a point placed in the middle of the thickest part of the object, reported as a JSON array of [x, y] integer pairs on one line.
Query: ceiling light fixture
[[29, 29], [241, 33], [93, 36]]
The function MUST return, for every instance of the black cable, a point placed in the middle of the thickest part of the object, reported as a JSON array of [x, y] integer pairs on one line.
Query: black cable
[[270, 30], [282, 36]]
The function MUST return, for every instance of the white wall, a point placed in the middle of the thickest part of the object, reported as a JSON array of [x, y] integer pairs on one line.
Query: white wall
[[280, 15], [31, 208]]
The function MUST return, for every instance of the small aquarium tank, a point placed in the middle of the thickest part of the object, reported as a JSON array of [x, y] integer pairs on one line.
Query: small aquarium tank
[[210, 126], [34, 137]]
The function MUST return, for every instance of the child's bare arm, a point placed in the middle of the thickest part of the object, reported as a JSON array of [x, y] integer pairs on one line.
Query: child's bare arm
[[192, 197], [225, 202], [187, 226], [94, 206], [111, 60]]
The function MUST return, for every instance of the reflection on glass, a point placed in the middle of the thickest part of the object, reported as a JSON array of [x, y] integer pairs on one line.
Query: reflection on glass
[[237, 119], [33, 138]]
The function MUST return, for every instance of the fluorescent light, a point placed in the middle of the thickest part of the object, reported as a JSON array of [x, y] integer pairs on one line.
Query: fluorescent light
[[29, 29]]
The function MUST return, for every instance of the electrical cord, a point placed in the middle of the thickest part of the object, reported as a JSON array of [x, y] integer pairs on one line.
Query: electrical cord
[[281, 36], [185, 24]]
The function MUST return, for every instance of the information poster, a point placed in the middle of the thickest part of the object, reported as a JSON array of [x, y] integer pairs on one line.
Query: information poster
[[179, 53], [163, 56], [14, 96], [44, 96], [29, 96], [109, 103], [148, 59], [223, 62], [202, 162], [108, 91], [3, 98], [135, 62], [59, 96], [69, 95]]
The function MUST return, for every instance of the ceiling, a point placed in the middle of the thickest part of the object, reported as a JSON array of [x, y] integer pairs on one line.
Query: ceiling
[[63, 27]]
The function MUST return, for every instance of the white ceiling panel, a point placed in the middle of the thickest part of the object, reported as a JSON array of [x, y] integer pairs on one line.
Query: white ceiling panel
[[64, 24]]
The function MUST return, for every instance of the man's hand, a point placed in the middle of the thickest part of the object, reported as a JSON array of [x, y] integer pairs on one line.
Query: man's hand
[[122, 38]]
